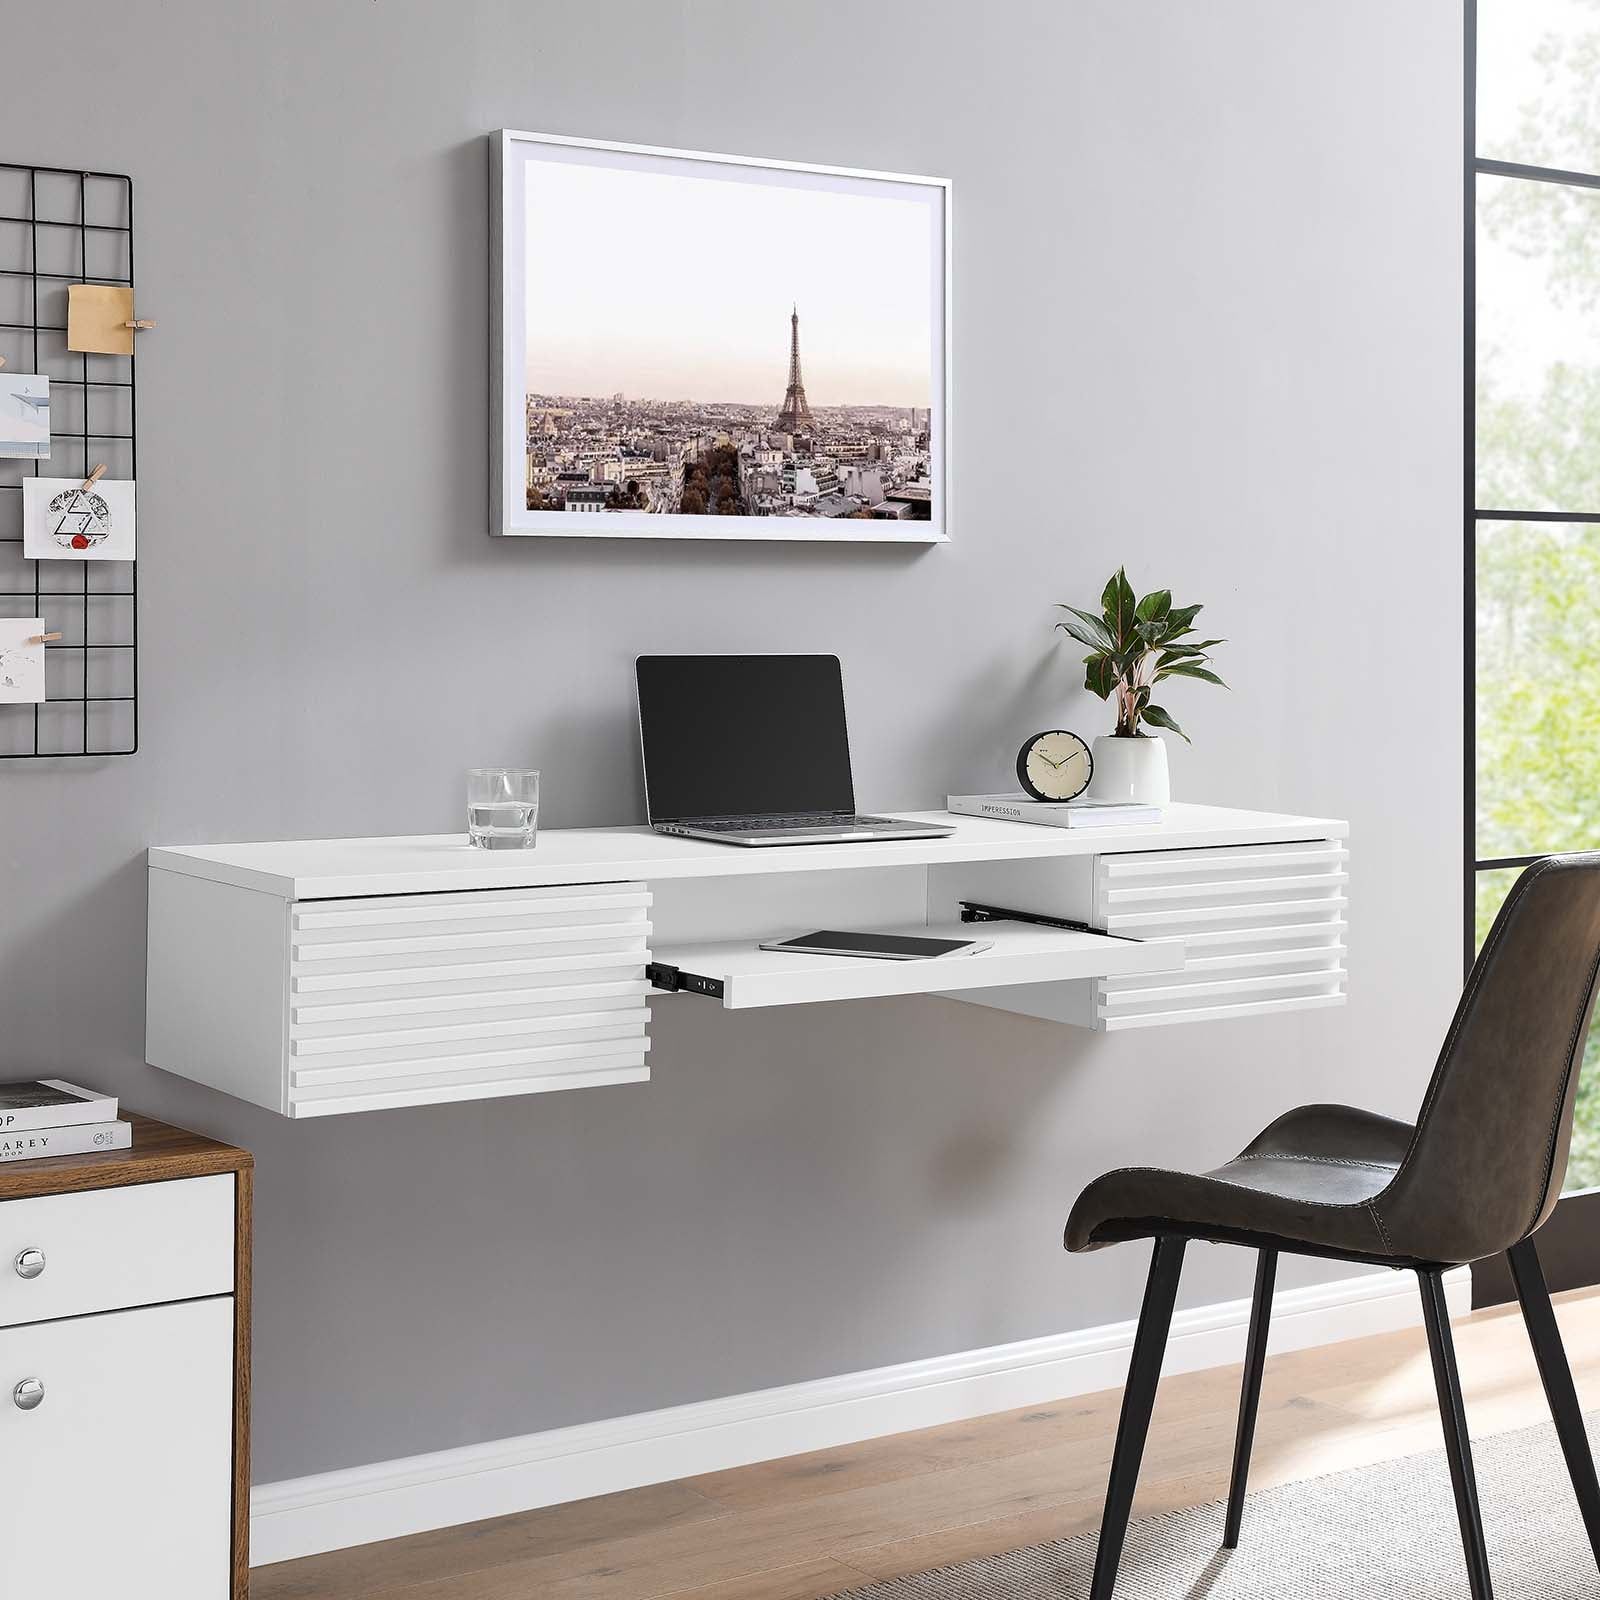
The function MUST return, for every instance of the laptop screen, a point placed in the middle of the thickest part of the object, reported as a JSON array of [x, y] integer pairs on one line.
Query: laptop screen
[[728, 736]]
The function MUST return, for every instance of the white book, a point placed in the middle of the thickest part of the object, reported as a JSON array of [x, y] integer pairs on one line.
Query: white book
[[1053, 814], [51, 1103], [82, 1140]]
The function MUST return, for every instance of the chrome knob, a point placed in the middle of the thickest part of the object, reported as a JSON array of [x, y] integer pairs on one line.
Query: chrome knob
[[29, 1263], [29, 1394]]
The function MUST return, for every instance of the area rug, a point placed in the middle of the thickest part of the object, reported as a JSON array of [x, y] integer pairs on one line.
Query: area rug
[[1383, 1532]]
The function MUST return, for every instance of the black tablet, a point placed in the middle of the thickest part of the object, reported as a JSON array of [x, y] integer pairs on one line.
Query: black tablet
[[886, 946]]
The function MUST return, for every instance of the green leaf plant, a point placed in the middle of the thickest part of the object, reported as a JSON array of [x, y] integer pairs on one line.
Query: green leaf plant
[[1133, 645]]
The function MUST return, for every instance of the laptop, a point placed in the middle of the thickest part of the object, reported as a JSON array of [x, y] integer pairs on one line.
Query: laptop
[[752, 750]]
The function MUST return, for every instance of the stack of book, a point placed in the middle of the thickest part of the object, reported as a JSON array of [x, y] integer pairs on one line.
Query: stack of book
[[1053, 814], [47, 1117]]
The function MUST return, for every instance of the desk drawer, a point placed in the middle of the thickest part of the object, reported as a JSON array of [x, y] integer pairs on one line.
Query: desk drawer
[[1263, 927], [402, 1000], [105, 1249]]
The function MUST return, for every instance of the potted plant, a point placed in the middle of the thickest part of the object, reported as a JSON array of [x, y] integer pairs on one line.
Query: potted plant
[[1133, 645]]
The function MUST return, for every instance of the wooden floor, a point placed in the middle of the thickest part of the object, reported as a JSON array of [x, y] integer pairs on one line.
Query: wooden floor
[[811, 1525]]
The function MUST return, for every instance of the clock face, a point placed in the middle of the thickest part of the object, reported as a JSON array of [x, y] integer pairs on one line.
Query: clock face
[[1055, 765]]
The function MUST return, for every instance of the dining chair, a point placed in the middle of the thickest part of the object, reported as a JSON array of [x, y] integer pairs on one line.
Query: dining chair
[[1477, 1175]]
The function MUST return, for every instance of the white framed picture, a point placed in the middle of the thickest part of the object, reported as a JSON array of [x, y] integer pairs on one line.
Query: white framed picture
[[695, 346], [63, 520]]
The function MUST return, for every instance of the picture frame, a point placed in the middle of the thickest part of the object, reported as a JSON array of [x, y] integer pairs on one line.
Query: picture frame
[[688, 345]]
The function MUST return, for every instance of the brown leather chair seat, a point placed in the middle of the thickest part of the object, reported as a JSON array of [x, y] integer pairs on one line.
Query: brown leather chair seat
[[1316, 1175]]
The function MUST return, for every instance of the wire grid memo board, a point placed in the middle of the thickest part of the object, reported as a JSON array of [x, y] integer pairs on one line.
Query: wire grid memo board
[[59, 227]]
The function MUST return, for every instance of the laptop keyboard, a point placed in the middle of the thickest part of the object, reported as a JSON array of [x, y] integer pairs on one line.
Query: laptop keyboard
[[805, 819]]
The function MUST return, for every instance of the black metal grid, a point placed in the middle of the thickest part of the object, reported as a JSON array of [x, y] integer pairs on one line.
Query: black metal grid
[[60, 226]]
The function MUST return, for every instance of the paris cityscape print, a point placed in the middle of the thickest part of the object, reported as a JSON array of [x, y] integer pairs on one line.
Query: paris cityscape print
[[711, 340]]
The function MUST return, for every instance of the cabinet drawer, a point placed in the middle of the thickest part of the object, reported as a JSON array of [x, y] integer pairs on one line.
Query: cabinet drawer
[[400, 1000], [1263, 927], [119, 1482], [109, 1248]]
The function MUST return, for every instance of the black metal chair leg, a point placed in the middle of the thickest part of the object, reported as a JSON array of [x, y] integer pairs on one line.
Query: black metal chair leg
[[1548, 1351], [1138, 1400], [1255, 1358], [1457, 1446]]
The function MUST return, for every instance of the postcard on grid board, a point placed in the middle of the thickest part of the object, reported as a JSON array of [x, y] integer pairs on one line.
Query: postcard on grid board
[[21, 660], [63, 521], [24, 415], [96, 313]]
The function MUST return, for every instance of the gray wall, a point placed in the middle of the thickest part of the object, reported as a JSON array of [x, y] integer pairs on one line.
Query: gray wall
[[1208, 321]]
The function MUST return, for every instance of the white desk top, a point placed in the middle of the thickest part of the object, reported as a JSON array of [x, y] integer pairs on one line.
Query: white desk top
[[321, 869]]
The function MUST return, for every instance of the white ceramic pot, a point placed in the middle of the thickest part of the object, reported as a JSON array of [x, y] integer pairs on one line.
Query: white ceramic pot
[[1130, 770]]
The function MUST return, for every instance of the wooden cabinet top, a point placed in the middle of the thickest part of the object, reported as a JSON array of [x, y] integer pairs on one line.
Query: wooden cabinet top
[[159, 1152]]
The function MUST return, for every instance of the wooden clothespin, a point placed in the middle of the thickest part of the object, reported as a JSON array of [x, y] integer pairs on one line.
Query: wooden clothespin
[[2, 361], [44, 638], [93, 478], [140, 324]]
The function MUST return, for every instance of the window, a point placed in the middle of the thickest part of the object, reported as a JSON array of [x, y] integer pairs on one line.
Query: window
[[1533, 454]]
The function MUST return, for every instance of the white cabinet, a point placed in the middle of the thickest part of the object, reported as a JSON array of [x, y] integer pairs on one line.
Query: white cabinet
[[1262, 928], [118, 1478], [408, 999], [124, 1371], [1253, 928], [319, 1007]]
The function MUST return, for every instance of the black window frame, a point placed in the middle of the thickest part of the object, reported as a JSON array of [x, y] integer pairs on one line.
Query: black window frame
[[1476, 166], [1569, 1243]]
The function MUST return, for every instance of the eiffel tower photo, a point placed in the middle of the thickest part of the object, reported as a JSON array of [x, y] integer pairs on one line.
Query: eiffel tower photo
[[640, 411], [796, 414]]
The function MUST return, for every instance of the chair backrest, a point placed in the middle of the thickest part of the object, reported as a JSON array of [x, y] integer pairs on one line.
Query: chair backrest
[[1489, 1156]]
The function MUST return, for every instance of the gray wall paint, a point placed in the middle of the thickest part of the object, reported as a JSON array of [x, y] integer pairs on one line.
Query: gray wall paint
[[1208, 296]]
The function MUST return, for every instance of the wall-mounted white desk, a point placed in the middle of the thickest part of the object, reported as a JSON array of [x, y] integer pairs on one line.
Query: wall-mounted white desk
[[326, 976]]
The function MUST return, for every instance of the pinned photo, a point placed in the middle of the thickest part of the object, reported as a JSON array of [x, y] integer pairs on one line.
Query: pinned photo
[[21, 660], [68, 519], [24, 415]]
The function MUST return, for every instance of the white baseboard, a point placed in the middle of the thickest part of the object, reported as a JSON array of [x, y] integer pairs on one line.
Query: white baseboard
[[358, 1505]]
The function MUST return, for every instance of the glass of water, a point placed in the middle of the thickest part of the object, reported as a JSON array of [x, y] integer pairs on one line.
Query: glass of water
[[503, 807]]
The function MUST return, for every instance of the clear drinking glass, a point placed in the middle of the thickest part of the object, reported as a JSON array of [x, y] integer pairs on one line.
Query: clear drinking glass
[[503, 807]]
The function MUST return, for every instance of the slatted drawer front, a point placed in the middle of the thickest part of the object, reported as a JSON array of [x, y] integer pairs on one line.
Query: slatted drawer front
[[1263, 924], [411, 999]]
